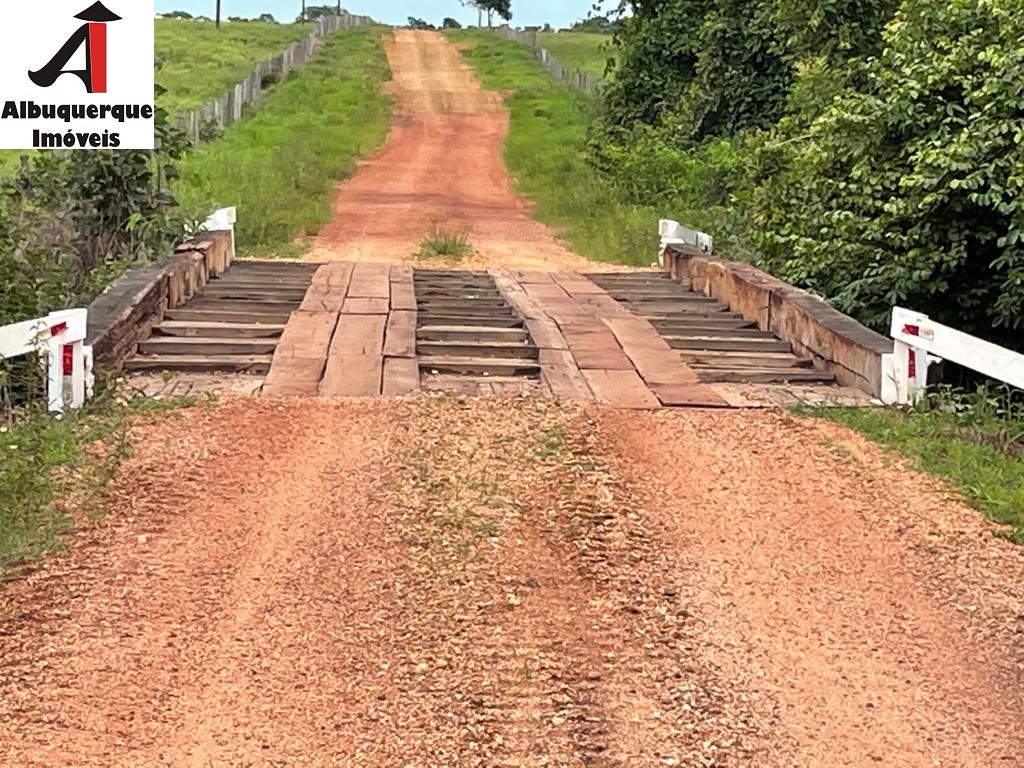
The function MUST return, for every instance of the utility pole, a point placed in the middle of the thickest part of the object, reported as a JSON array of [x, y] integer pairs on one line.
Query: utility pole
[[218, 14], [339, 7], [303, 10]]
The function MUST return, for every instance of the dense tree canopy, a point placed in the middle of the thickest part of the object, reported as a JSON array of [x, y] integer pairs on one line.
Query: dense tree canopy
[[871, 149]]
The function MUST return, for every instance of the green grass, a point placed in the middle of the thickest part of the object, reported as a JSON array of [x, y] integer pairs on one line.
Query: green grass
[[972, 442], [545, 153], [453, 246], [585, 51], [201, 62], [54, 471], [280, 165]]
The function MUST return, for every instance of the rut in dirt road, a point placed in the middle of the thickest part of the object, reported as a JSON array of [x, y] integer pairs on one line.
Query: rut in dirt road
[[441, 168], [491, 582]]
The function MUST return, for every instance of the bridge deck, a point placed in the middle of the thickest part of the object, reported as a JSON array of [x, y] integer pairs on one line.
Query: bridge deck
[[629, 339]]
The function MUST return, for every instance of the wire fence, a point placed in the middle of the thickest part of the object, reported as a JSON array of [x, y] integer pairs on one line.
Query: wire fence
[[577, 78], [217, 114]]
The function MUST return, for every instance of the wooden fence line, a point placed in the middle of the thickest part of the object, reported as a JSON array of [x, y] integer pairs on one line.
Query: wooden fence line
[[228, 108], [577, 78]]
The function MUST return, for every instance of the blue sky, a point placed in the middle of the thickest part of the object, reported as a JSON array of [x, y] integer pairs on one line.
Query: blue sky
[[558, 13]]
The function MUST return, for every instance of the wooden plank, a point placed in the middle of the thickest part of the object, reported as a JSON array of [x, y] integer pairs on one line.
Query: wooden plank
[[176, 345], [294, 377], [401, 273], [359, 306], [308, 334], [477, 349], [209, 330], [595, 347], [763, 375], [326, 292], [257, 364], [650, 354], [688, 396], [359, 335], [401, 376], [577, 285], [352, 376], [533, 278], [562, 376], [400, 335], [239, 315], [542, 292], [469, 333], [620, 389], [545, 334], [403, 296], [370, 281]]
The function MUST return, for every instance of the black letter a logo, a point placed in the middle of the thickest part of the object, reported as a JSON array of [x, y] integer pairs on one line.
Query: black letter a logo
[[94, 36]]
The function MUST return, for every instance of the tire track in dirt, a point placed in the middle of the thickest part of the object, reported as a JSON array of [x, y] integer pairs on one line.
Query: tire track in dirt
[[873, 610], [441, 167], [497, 582]]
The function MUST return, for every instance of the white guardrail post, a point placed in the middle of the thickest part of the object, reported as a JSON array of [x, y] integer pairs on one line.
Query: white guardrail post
[[674, 233], [59, 342], [223, 219], [920, 341]]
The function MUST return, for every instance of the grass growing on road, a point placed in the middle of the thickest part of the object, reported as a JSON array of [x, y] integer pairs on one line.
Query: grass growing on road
[[453, 246], [200, 62], [545, 154], [585, 51], [280, 165], [975, 443]]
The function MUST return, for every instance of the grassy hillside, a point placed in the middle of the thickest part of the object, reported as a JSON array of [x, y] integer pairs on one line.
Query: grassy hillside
[[582, 50], [200, 62], [280, 165]]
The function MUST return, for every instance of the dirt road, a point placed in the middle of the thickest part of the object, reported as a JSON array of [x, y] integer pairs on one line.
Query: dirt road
[[448, 582], [441, 168]]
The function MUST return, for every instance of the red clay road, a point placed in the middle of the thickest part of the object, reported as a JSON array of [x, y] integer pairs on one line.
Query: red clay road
[[451, 582]]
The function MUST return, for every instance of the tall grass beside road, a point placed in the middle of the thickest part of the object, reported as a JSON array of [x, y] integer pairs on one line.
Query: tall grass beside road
[[280, 165], [545, 154], [586, 51]]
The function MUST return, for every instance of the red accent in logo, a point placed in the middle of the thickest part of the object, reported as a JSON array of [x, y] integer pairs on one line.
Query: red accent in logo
[[98, 57]]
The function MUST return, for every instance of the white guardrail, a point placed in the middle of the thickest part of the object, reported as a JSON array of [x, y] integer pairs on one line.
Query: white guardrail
[[58, 340], [920, 341], [674, 233]]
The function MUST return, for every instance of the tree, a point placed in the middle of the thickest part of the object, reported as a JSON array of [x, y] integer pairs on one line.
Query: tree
[[450, 23], [314, 12], [177, 15], [501, 7], [415, 23], [267, 18], [907, 187]]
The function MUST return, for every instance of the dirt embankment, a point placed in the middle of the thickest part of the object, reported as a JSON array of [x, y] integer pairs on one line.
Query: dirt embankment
[[441, 168], [512, 582]]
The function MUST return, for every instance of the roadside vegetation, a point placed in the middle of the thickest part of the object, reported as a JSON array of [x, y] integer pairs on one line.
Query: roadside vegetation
[[974, 441], [200, 62], [870, 152], [586, 51], [546, 154], [281, 164], [55, 471]]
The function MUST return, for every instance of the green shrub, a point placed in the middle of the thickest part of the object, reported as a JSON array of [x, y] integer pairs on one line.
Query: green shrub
[[908, 189]]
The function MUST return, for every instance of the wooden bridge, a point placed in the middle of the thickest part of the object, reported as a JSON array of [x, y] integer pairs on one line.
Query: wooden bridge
[[636, 339]]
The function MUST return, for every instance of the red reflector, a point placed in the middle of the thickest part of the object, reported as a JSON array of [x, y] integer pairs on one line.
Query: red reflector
[[912, 330], [58, 329], [912, 367], [69, 359]]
